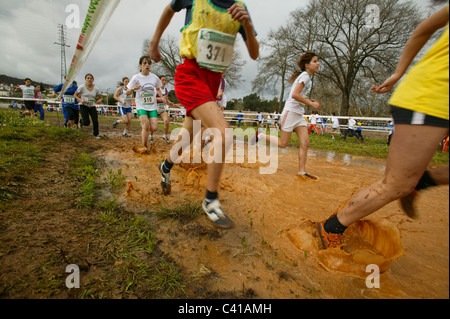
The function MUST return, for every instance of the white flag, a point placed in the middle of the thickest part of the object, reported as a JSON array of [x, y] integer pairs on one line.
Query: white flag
[[97, 17]]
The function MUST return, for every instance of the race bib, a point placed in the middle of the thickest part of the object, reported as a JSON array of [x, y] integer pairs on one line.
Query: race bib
[[90, 102], [148, 99], [69, 99], [215, 50]]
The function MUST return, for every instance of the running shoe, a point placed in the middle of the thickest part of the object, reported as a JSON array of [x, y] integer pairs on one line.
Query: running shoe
[[407, 204], [115, 123], [165, 183], [309, 176], [329, 240], [126, 135], [97, 137], [216, 214], [165, 138]]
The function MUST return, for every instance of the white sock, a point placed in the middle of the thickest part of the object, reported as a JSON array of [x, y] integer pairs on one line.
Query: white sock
[[125, 131], [302, 173]]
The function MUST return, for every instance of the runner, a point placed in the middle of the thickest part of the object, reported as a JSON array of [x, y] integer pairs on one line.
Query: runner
[[28, 92], [124, 106], [420, 109], [292, 117], [69, 104], [38, 104], [88, 95], [163, 108], [335, 128], [146, 85], [210, 25]]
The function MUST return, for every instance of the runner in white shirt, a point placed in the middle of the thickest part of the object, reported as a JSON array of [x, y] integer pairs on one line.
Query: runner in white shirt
[[124, 106], [292, 118], [335, 126], [28, 92], [146, 85]]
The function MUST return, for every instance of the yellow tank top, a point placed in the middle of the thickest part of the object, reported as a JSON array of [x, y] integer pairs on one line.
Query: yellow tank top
[[425, 88], [206, 15]]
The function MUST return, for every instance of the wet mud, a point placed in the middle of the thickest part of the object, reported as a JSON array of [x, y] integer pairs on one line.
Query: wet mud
[[273, 251]]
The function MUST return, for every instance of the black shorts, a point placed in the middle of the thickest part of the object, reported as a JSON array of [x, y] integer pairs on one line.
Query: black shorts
[[404, 116], [72, 113], [29, 105]]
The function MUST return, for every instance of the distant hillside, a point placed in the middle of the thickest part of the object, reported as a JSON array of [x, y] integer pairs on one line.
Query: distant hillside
[[12, 80]]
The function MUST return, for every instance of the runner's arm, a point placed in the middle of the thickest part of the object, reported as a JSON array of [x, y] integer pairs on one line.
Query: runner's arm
[[418, 39], [164, 21], [240, 14]]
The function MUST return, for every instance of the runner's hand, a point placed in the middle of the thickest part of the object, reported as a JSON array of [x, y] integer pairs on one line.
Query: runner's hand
[[153, 53], [239, 13]]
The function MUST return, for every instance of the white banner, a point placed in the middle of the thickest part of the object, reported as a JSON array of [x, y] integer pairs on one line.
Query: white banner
[[98, 15]]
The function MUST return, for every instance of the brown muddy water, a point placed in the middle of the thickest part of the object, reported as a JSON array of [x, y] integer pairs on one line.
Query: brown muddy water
[[273, 251]]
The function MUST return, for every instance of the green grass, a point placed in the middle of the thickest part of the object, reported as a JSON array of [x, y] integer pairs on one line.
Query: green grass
[[25, 143]]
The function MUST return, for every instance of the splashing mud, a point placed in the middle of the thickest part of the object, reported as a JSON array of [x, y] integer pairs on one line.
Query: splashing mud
[[365, 243]]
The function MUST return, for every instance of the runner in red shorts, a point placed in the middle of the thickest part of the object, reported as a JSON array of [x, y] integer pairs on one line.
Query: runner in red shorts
[[207, 46]]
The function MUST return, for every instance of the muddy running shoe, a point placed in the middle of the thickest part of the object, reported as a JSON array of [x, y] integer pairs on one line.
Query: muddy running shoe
[[407, 204], [308, 176], [328, 240], [216, 214], [115, 123], [165, 183], [165, 138]]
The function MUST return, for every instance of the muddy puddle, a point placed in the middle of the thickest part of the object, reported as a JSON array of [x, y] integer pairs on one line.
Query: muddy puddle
[[273, 251]]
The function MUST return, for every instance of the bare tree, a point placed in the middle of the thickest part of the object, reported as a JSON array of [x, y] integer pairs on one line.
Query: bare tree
[[350, 50], [273, 67], [348, 46]]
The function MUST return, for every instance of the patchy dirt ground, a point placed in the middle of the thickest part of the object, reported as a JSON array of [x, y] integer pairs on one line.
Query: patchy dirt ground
[[263, 256]]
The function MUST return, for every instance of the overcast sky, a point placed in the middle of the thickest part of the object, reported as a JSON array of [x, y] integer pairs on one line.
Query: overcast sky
[[29, 29]]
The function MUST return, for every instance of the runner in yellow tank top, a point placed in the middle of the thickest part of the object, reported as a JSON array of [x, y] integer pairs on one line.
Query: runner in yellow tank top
[[207, 46], [419, 107]]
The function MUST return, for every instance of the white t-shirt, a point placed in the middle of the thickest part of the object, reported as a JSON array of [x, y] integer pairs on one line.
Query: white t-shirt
[[313, 119], [146, 95], [351, 124], [126, 98], [292, 104], [88, 95], [27, 91], [335, 122]]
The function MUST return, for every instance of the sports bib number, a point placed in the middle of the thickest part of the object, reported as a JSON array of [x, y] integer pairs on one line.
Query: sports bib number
[[148, 99], [69, 99], [215, 50], [90, 102]]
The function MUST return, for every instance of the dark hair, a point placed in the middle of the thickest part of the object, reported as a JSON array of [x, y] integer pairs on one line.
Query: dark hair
[[333, 113], [123, 80], [74, 83], [304, 59], [88, 75], [145, 57], [27, 79]]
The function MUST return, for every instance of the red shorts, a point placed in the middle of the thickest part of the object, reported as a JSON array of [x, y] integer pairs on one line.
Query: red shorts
[[195, 86]]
